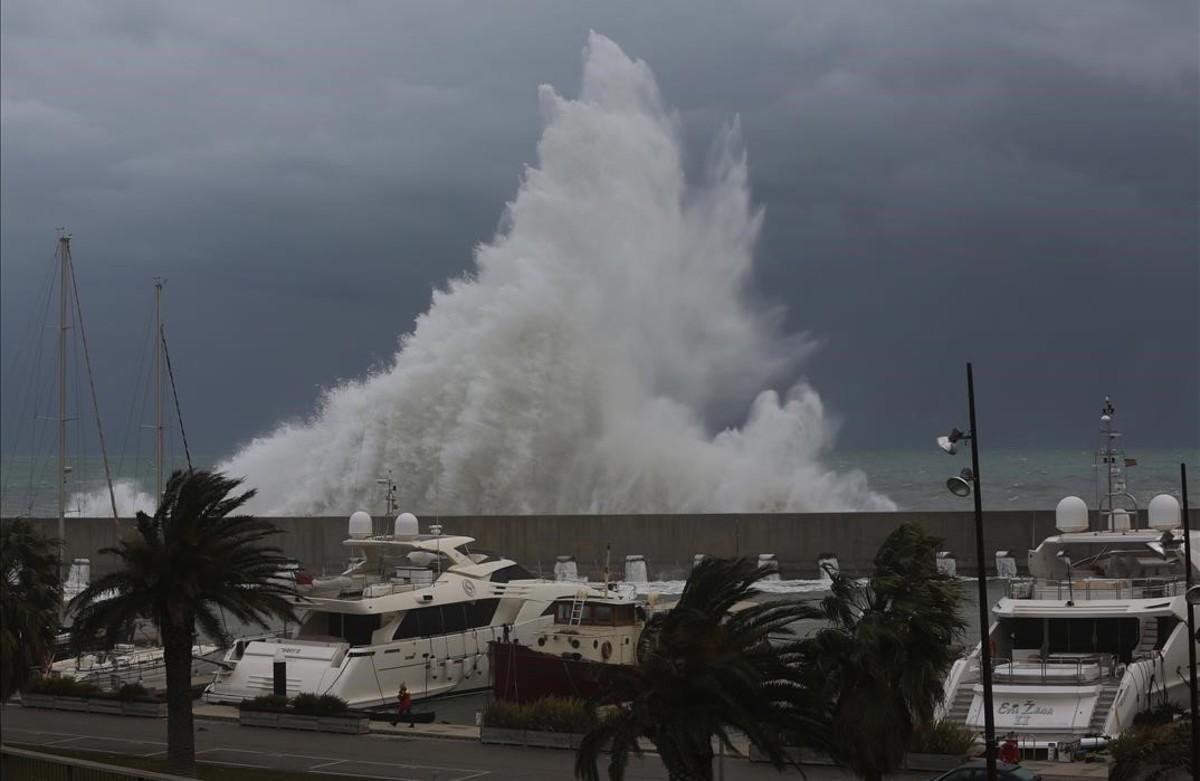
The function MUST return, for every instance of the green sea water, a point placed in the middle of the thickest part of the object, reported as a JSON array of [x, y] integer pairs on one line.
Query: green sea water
[[915, 480]]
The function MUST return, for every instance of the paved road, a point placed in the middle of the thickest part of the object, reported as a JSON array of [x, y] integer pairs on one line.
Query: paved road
[[362, 756]]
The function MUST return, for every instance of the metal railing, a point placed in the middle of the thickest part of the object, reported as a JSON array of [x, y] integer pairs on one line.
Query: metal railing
[[1057, 669], [114, 673], [19, 763], [1083, 589]]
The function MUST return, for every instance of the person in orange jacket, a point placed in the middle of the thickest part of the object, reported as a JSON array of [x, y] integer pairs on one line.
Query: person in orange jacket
[[403, 706], [1010, 752]]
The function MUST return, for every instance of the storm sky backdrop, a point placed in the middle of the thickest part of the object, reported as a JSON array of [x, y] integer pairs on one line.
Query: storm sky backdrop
[[1013, 184]]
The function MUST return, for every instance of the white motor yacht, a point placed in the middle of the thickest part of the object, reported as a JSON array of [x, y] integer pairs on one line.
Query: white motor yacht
[[413, 609], [1098, 633]]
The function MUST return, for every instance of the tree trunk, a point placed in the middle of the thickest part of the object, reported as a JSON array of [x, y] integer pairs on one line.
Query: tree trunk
[[181, 739], [705, 768]]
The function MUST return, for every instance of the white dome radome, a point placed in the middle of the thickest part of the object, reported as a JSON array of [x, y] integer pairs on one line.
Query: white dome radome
[[361, 525], [406, 525], [1164, 513], [1071, 515]]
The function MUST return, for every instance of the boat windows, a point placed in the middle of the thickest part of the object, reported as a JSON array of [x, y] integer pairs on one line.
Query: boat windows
[[353, 629], [1166, 625], [454, 618], [1045, 637], [481, 612], [446, 619], [511, 572], [596, 614]]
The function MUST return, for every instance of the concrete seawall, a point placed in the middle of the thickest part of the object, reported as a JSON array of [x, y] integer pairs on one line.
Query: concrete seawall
[[667, 541]]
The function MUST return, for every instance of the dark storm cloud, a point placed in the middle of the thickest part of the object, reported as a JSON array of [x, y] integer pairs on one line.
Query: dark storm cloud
[[1011, 183]]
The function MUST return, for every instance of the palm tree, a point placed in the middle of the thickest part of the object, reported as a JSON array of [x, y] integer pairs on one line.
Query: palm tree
[[704, 668], [193, 558], [881, 661], [30, 603]]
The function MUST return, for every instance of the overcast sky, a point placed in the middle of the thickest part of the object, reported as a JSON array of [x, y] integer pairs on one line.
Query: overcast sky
[[1009, 183]]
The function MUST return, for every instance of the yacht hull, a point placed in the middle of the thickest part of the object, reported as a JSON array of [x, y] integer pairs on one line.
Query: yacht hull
[[521, 674], [366, 676]]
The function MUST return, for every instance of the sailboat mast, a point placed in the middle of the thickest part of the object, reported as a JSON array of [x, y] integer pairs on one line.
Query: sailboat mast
[[158, 400], [64, 258]]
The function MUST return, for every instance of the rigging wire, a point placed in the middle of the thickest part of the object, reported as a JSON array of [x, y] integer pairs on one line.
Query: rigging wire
[[78, 471], [162, 332], [28, 349], [144, 468], [42, 450], [133, 407], [29, 406], [87, 358]]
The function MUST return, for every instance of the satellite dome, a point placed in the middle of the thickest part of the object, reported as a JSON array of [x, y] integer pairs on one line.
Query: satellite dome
[[361, 526], [406, 525], [1164, 513], [1071, 515]]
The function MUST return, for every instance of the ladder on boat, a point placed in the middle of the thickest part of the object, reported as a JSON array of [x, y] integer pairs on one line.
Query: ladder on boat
[[577, 608]]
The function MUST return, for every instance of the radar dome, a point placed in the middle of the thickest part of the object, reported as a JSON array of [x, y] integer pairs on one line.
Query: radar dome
[[1071, 515], [406, 525], [1164, 513], [361, 526]]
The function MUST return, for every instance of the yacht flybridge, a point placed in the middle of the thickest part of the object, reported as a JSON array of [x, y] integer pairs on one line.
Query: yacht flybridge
[[1098, 632], [413, 609]]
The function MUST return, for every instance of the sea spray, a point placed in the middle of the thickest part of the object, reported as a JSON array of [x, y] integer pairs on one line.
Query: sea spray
[[573, 369]]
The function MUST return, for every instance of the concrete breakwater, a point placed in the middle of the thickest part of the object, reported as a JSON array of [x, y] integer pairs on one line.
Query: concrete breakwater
[[668, 542]]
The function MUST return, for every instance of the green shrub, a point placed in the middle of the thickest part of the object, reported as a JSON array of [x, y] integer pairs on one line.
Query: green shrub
[[1150, 752], [266, 702], [309, 704], [551, 714], [333, 704], [1157, 716], [943, 737], [133, 692], [306, 703], [62, 687]]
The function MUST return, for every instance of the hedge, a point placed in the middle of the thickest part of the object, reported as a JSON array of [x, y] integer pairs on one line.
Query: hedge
[[550, 714], [306, 704]]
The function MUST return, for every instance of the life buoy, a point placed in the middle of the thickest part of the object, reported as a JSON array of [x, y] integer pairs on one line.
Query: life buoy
[[606, 649]]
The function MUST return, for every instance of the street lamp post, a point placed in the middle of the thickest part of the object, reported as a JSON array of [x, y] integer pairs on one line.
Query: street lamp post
[[955, 484]]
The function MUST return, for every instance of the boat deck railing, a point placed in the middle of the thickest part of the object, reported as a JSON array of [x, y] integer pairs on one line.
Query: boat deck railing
[[238, 649], [1070, 669], [1083, 589], [150, 672]]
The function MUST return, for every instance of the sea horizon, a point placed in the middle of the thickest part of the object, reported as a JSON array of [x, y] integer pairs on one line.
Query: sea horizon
[[1011, 478]]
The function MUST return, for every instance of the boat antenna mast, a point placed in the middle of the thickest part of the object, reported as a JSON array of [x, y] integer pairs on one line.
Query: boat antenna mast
[[1111, 458], [389, 493], [68, 290], [64, 260], [87, 361]]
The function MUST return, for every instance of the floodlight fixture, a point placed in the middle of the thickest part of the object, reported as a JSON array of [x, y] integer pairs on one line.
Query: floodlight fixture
[[961, 484], [949, 442]]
